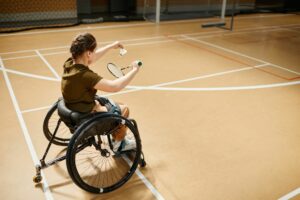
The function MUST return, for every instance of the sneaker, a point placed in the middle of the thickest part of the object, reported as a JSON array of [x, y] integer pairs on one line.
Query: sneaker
[[124, 145]]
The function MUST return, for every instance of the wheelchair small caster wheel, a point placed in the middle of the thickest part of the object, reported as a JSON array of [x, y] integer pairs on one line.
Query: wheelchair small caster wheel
[[37, 178], [142, 163]]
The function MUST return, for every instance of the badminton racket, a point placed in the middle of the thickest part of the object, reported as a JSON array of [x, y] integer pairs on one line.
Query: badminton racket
[[117, 71]]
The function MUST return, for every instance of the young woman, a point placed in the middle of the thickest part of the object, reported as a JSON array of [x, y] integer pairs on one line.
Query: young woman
[[79, 83]]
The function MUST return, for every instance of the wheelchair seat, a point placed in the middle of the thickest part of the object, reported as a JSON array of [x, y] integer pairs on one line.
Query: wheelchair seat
[[71, 118]]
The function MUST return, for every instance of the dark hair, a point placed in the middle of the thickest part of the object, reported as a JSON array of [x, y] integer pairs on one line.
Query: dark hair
[[82, 43]]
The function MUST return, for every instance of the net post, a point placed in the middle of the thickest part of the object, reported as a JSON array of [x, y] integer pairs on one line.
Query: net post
[[222, 23], [157, 13], [223, 10]]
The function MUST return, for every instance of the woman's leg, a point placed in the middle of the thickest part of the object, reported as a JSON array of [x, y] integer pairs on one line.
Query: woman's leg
[[124, 110], [121, 132], [98, 107]]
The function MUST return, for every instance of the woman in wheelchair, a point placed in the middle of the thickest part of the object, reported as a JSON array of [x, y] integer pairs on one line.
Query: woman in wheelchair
[[104, 148], [79, 84]]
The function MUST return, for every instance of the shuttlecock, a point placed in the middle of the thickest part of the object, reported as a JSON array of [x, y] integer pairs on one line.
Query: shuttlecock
[[123, 52]]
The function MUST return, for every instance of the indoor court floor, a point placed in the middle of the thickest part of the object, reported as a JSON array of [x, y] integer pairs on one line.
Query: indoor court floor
[[218, 111]]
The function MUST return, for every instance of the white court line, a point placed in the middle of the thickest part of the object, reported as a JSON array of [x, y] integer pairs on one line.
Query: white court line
[[157, 37], [107, 42], [291, 30], [60, 47], [145, 180], [159, 86], [250, 87], [20, 57], [25, 132], [138, 88], [265, 16], [240, 54], [290, 195], [36, 109], [78, 29], [231, 51], [240, 32], [224, 49], [212, 34], [289, 70], [61, 52], [29, 75], [48, 64], [249, 30], [99, 43], [134, 25]]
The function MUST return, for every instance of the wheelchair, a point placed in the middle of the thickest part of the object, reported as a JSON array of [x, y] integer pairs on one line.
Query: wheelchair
[[92, 162]]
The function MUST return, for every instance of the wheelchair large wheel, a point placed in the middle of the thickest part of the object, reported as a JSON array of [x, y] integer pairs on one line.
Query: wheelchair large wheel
[[91, 161], [63, 134]]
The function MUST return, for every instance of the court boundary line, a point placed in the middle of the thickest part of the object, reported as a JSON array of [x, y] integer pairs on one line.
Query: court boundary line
[[249, 57], [231, 88], [148, 184], [247, 31], [161, 36], [224, 49], [290, 194], [134, 88], [47, 64], [46, 189], [201, 36], [36, 109], [228, 57], [291, 30], [30, 75]]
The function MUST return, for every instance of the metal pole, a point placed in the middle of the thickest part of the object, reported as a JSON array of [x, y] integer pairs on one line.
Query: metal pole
[[232, 14], [223, 10], [157, 11]]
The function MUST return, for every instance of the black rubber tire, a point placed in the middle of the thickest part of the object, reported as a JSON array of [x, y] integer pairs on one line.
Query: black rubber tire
[[120, 167]]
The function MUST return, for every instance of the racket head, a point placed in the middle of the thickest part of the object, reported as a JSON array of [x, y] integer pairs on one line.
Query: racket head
[[114, 70]]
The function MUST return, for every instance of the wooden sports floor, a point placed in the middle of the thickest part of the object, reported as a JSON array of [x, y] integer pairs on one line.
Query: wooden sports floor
[[218, 111]]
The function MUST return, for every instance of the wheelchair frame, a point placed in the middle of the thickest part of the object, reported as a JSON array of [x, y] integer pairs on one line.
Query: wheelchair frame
[[80, 132]]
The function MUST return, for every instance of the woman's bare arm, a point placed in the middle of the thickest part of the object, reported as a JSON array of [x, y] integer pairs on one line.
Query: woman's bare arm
[[117, 84], [103, 50]]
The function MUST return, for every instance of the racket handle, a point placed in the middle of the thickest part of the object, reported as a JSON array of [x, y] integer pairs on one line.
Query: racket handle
[[139, 63]]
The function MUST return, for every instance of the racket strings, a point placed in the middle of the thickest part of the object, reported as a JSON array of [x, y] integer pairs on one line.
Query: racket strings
[[115, 71]]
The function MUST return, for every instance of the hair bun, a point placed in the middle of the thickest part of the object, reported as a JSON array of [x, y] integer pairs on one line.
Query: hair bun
[[82, 43]]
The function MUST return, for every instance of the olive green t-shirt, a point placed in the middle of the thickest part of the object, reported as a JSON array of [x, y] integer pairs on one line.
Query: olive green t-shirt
[[77, 86]]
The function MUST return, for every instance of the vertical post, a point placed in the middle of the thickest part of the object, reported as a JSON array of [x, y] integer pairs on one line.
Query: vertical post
[[232, 14], [157, 17], [223, 10]]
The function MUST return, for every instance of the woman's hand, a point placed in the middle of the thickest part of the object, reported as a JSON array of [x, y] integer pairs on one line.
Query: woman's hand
[[116, 45], [135, 65]]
